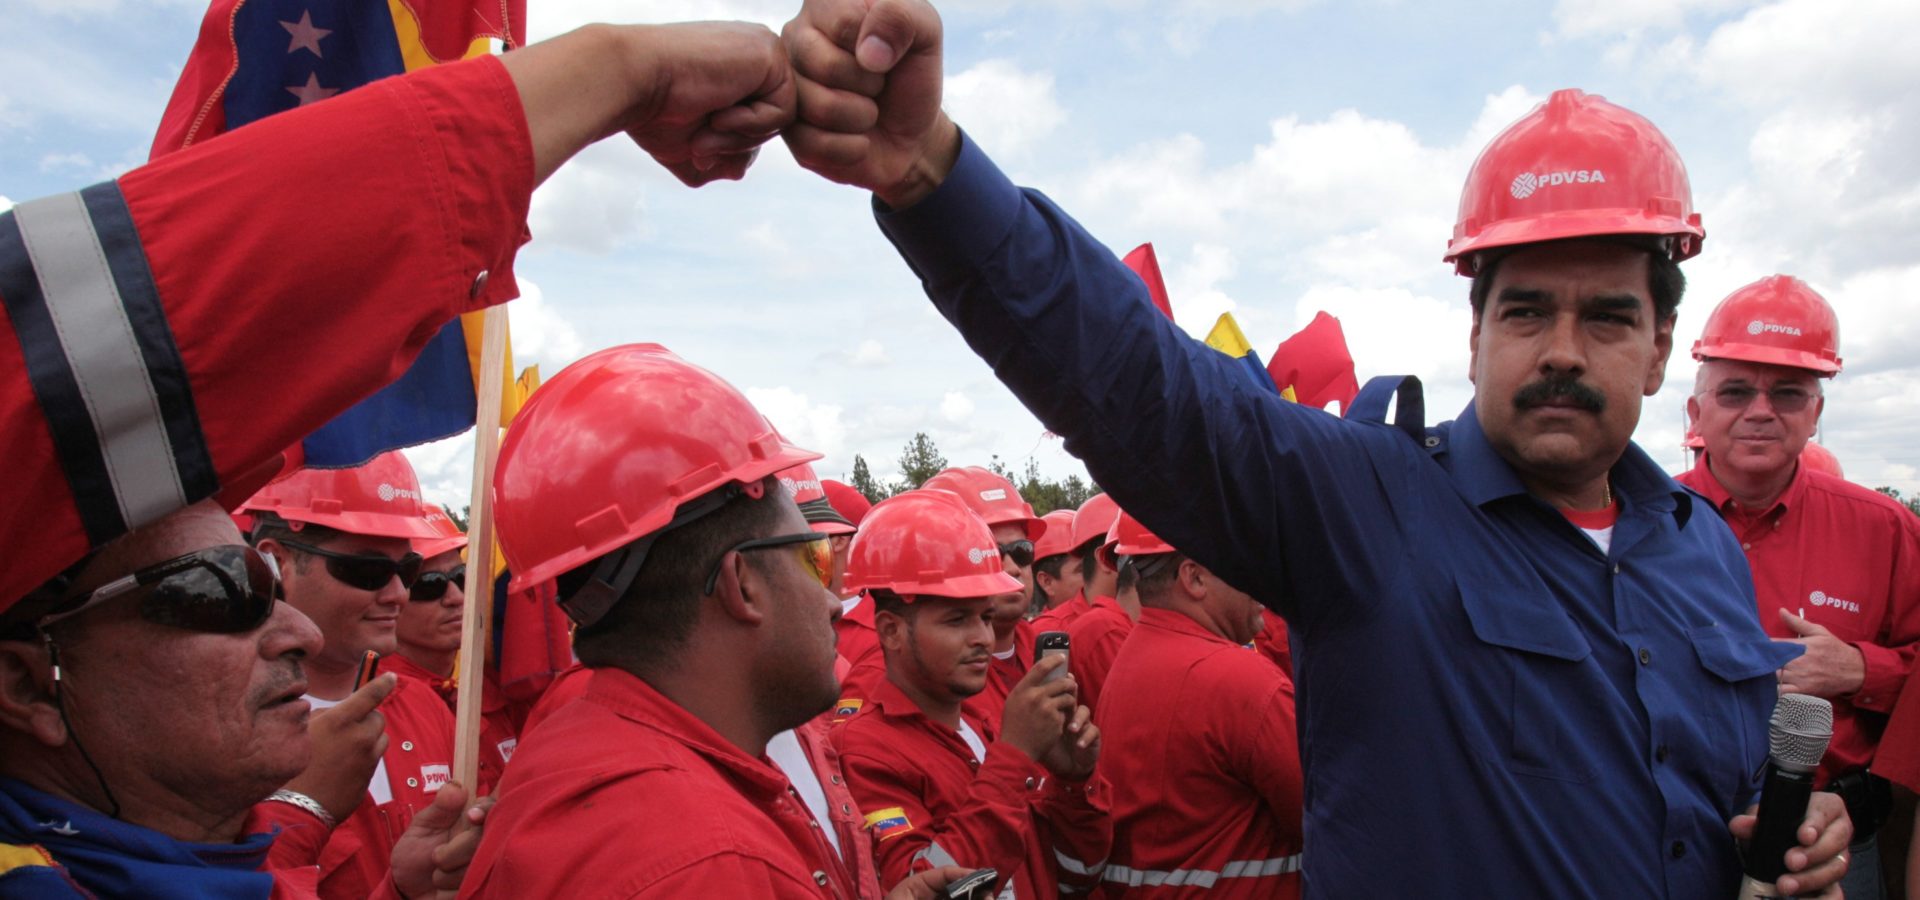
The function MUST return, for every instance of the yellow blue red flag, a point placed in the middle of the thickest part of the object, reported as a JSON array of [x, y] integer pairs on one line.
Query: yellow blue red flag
[[255, 58], [1227, 338]]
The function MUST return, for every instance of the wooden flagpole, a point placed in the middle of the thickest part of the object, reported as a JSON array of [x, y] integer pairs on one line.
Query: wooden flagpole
[[476, 621]]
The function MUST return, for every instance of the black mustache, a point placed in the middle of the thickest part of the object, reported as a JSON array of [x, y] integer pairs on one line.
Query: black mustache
[[1548, 390]]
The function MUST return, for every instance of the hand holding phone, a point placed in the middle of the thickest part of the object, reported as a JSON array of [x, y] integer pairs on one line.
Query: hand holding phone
[[1051, 643]]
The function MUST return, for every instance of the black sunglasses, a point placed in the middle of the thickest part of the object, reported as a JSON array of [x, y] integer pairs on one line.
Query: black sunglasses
[[817, 555], [1021, 552], [366, 571], [228, 589], [432, 586]]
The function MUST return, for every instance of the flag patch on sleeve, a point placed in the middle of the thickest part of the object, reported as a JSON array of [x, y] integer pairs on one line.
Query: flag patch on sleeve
[[888, 823], [847, 707]]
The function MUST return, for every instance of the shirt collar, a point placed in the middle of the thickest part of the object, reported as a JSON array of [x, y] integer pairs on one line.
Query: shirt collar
[[635, 700], [1711, 488], [1483, 476], [1179, 623]]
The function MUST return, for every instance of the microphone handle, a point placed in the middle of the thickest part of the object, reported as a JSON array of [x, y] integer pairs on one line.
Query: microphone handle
[[1783, 806]]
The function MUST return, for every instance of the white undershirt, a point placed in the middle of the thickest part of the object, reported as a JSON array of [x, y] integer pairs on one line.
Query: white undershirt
[[974, 743], [1602, 537], [847, 605], [1008, 654], [378, 787], [785, 751]]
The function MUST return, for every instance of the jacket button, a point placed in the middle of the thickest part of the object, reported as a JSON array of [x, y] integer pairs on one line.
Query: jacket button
[[846, 808], [413, 782], [1646, 656], [1660, 753], [479, 284], [1032, 783], [406, 745], [820, 878], [1679, 850], [834, 778]]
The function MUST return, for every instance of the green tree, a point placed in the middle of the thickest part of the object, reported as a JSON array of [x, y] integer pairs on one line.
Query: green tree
[[1894, 492], [862, 481], [462, 517], [919, 461]]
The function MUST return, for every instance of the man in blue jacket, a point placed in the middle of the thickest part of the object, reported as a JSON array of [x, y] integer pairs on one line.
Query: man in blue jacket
[[1528, 659]]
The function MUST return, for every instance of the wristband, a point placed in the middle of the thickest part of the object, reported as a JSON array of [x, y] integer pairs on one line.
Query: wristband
[[295, 798]]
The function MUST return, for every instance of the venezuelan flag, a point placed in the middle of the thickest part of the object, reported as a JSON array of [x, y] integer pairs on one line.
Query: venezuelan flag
[[888, 823], [255, 58], [1227, 338]]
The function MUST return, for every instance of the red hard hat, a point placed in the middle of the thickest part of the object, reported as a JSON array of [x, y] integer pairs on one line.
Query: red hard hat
[[846, 501], [448, 536], [1576, 166], [993, 497], [1059, 535], [1128, 537], [1820, 459], [381, 499], [926, 542], [1094, 518], [1778, 321], [811, 497], [607, 452], [1693, 440]]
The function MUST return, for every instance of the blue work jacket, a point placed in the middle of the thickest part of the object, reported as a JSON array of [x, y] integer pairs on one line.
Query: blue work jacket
[[1489, 705]]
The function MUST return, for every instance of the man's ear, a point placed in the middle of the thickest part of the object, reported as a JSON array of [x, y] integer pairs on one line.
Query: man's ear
[[741, 594], [27, 702], [1662, 349], [892, 628]]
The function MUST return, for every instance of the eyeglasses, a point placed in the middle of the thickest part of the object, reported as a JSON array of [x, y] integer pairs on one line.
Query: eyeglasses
[[816, 553], [431, 586], [365, 571], [1783, 399], [228, 589], [1021, 552]]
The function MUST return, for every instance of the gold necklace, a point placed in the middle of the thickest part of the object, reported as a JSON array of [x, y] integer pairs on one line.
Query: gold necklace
[[1608, 487]]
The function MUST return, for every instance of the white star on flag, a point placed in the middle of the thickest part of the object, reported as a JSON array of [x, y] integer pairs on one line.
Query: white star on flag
[[312, 92], [304, 34]]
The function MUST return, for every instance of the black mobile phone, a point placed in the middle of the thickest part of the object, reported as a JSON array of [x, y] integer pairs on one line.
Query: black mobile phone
[[975, 885], [1051, 643], [369, 664]]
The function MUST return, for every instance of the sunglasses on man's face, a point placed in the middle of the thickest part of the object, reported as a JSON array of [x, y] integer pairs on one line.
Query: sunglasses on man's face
[[816, 554], [1787, 399], [228, 589], [431, 586], [1021, 552], [365, 571]]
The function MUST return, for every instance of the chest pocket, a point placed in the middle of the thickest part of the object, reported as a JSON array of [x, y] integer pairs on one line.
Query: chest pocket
[[1546, 666], [1736, 658]]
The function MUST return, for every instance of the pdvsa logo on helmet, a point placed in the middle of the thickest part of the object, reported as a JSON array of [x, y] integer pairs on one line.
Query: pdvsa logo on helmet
[[389, 493], [979, 555], [1757, 327], [795, 486], [1820, 598], [995, 494], [1527, 183]]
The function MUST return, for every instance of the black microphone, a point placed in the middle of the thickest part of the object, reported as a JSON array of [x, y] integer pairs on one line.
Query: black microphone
[[1796, 739]]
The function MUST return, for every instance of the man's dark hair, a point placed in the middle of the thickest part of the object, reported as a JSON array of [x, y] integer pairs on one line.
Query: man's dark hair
[[1126, 577], [1089, 556], [1162, 570], [885, 601], [1665, 282], [647, 626], [1051, 567]]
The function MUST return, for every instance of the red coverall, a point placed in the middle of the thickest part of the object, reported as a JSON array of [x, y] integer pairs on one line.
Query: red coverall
[[929, 803], [1060, 617], [497, 735], [627, 792], [1095, 642], [1203, 764], [1848, 559]]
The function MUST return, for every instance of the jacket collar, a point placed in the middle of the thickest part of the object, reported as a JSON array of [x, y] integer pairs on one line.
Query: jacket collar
[[632, 699], [1484, 477]]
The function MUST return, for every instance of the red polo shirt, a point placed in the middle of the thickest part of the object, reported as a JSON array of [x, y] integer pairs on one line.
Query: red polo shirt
[[1204, 767], [626, 792], [1848, 559], [1095, 640], [929, 802]]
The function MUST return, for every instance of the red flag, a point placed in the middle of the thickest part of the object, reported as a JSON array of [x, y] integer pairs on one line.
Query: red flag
[[1316, 365], [1147, 266]]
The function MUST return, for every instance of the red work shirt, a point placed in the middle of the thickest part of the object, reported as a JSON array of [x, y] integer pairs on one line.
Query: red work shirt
[[1898, 758], [1059, 617], [1846, 558], [855, 628], [1094, 643], [355, 859], [566, 687], [497, 736], [277, 213], [625, 791], [1203, 764], [1002, 675], [1272, 643], [928, 802]]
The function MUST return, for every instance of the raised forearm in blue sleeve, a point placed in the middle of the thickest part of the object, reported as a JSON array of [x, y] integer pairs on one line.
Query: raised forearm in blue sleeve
[[1287, 503]]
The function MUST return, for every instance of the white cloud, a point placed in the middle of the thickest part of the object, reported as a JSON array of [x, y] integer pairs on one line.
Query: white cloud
[[1588, 18], [445, 469], [871, 354], [596, 202], [1005, 108], [544, 20], [6, 203], [815, 426], [541, 332], [956, 408]]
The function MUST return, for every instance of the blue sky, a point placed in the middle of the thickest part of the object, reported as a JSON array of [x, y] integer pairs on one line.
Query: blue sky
[[1284, 156]]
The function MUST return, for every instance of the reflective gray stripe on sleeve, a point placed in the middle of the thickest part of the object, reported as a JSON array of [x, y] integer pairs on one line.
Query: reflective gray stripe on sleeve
[[1202, 878], [1074, 866], [104, 355], [935, 855]]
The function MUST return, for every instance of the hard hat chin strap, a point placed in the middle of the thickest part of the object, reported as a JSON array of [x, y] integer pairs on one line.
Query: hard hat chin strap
[[615, 572]]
